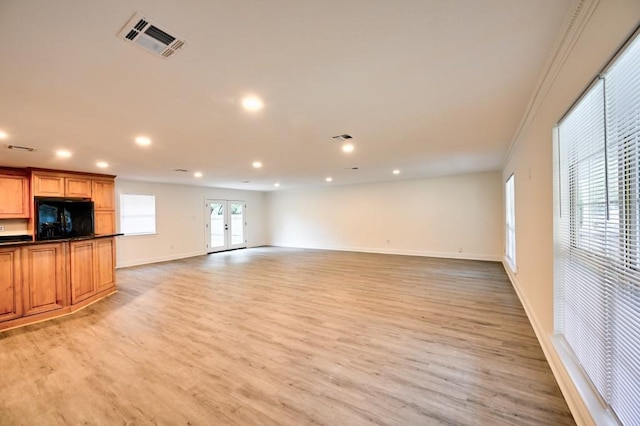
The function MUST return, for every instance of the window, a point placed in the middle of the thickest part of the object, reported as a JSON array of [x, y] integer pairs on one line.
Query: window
[[510, 220], [137, 214], [596, 238]]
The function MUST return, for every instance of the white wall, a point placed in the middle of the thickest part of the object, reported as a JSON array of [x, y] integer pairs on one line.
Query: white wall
[[180, 221], [14, 226], [458, 216], [531, 162]]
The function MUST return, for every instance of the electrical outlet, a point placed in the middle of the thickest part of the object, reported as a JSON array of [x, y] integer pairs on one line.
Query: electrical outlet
[[1, 228]]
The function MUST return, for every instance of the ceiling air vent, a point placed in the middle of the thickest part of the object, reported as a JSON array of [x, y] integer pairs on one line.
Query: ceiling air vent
[[181, 170], [150, 36], [342, 138], [21, 148]]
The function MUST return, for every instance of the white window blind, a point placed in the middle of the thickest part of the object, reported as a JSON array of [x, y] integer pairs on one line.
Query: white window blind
[[597, 265], [137, 214], [510, 221]]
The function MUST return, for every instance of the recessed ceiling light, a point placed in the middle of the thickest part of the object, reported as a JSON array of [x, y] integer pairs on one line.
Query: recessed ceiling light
[[256, 164], [63, 153], [252, 103], [329, 179], [102, 164], [396, 172], [277, 184], [348, 147], [3, 135], [143, 141], [198, 174]]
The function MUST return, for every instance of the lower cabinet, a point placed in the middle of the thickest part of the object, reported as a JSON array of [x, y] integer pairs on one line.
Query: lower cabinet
[[10, 284], [92, 268], [45, 280], [44, 277], [105, 275]]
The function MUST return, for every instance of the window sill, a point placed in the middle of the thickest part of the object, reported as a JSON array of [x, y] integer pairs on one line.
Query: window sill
[[590, 397]]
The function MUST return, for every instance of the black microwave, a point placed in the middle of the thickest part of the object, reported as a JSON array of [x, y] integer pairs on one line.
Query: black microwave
[[58, 218]]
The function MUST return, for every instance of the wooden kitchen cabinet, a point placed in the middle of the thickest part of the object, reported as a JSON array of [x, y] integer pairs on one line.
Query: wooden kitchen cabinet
[[99, 188], [103, 194], [77, 187], [104, 222], [47, 185], [10, 284], [44, 277], [40, 281], [51, 184], [92, 267], [14, 195], [103, 197], [105, 267], [82, 255]]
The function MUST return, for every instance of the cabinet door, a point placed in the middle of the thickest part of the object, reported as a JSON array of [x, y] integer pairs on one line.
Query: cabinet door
[[103, 194], [14, 197], [105, 222], [77, 187], [44, 277], [10, 297], [82, 270], [105, 252], [48, 185]]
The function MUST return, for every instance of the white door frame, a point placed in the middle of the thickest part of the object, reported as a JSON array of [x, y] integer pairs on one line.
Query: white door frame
[[227, 225]]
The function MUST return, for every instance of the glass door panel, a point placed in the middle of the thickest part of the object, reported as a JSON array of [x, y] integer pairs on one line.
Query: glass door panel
[[236, 210], [225, 225], [217, 236]]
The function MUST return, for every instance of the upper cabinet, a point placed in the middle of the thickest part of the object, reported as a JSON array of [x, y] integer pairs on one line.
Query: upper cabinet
[[99, 188], [46, 185], [77, 187], [103, 194], [51, 184], [14, 194]]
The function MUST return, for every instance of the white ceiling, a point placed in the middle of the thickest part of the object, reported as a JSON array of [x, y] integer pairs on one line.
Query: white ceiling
[[431, 87]]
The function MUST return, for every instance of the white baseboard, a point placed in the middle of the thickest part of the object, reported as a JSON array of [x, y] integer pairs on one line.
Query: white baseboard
[[148, 260], [444, 255]]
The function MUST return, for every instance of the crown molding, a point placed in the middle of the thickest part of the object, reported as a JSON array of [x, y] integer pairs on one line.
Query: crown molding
[[574, 23]]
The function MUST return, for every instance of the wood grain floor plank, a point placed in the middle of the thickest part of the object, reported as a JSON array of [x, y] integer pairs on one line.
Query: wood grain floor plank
[[274, 336]]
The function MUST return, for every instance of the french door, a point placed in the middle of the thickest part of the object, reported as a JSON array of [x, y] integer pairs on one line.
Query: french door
[[225, 225]]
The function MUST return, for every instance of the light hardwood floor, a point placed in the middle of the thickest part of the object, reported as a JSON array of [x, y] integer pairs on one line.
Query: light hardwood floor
[[274, 336]]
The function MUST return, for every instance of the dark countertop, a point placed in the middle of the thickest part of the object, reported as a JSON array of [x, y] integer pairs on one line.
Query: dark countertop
[[60, 240]]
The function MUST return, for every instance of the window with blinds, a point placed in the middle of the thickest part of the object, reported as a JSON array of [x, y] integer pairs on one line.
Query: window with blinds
[[596, 238], [137, 214], [510, 222]]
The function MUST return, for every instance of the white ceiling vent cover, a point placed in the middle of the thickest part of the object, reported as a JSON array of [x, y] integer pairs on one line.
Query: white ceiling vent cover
[[150, 36]]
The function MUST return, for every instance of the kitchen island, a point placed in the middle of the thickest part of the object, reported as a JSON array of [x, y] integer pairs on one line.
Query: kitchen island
[[40, 280]]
